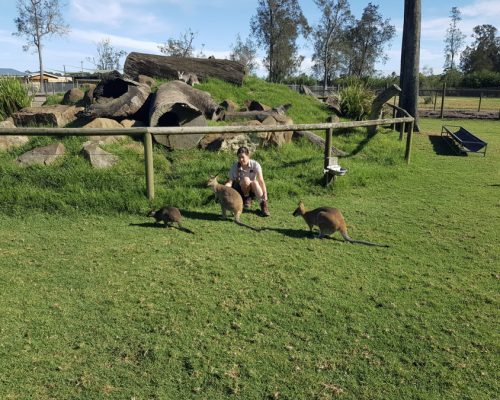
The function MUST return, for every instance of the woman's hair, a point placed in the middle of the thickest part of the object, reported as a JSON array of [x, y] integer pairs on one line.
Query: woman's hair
[[242, 150]]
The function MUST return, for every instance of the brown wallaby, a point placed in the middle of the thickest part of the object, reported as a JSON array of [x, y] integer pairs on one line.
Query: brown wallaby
[[229, 199], [169, 215], [329, 220]]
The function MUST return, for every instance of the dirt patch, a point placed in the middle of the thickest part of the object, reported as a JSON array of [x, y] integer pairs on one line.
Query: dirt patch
[[460, 114]]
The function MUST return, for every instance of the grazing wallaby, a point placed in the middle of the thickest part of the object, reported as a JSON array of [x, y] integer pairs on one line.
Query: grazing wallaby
[[329, 220], [229, 199], [189, 78], [169, 215]]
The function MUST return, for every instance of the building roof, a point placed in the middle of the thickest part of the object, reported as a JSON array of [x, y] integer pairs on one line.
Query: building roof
[[11, 72]]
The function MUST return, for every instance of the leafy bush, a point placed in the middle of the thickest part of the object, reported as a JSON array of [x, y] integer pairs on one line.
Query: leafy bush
[[355, 101], [482, 79], [13, 97]]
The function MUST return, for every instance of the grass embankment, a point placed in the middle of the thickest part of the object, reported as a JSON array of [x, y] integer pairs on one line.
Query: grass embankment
[[99, 303]]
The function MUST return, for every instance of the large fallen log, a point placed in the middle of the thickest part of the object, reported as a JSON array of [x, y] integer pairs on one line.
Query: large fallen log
[[318, 141], [167, 67], [178, 104], [116, 97]]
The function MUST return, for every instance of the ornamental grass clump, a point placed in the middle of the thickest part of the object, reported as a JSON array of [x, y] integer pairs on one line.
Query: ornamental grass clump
[[13, 97], [356, 101]]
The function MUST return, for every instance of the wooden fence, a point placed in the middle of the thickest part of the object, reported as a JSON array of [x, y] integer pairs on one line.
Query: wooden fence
[[147, 132]]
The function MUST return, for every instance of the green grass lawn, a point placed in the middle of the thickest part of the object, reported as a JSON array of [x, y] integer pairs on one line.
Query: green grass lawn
[[99, 303]]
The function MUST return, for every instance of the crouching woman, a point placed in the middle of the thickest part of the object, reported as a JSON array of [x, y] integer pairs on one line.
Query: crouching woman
[[246, 177]]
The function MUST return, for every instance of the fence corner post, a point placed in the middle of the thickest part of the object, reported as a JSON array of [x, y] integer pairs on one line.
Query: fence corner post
[[328, 152], [148, 161]]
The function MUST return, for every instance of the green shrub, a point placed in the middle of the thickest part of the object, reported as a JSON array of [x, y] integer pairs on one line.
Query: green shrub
[[355, 101], [54, 99], [13, 96]]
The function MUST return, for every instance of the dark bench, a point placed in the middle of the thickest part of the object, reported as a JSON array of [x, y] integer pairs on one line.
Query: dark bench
[[466, 141]]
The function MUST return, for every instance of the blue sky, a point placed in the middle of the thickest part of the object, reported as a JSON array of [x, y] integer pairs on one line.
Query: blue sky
[[142, 25]]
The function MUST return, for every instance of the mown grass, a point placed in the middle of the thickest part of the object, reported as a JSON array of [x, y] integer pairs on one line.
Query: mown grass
[[97, 302]]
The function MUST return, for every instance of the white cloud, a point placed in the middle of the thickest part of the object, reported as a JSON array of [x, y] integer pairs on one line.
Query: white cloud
[[116, 41], [483, 9]]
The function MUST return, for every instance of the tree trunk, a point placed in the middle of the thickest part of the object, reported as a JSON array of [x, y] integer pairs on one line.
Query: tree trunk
[[167, 67], [410, 59]]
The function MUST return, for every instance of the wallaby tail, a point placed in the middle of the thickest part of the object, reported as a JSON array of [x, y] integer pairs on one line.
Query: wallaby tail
[[350, 240], [181, 228], [246, 226]]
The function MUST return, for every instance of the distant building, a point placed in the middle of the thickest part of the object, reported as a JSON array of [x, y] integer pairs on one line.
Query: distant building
[[48, 77]]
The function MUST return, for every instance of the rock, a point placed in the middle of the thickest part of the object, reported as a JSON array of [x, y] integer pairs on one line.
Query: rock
[[42, 155], [276, 138], [229, 105], [98, 157], [72, 96], [9, 142], [333, 103], [147, 80], [54, 116], [104, 123], [253, 105], [88, 96], [131, 123]]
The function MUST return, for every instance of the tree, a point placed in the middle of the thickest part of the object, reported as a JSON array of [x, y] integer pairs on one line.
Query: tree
[[107, 57], [245, 53], [277, 25], [410, 58], [329, 37], [37, 19], [182, 47], [366, 41], [484, 53], [454, 39]]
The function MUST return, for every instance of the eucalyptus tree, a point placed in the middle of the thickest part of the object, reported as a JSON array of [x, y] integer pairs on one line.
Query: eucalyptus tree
[[36, 20], [108, 57], [182, 47], [366, 41], [277, 25], [454, 39], [245, 52], [329, 37], [484, 53]]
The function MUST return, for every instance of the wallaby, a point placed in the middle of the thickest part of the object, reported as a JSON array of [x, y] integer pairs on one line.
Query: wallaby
[[329, 220], [169, 215], [190, 78], [229, 199]]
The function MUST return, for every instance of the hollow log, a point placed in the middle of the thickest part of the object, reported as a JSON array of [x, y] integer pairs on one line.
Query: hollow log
[[318, 141], [117, 98], [178, 104], [167, 67]]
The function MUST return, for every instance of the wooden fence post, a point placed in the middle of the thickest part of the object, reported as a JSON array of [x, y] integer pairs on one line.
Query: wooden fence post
[[480, 99], [328, 153], [408, 143], [443, 94], [148, 161]]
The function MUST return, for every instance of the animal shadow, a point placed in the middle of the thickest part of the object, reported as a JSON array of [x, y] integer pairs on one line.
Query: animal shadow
[[444, 146], [148, 225], [201, 215], [293, 233]]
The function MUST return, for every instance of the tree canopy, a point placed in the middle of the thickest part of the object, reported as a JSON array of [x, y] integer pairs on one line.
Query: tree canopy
[[37, 19], [277, 25], [484, 53]]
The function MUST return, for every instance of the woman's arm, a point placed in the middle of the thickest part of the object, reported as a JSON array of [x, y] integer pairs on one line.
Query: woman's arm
[[262, 183]]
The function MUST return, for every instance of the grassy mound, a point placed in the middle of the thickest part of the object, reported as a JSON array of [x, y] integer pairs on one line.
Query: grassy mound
[[180, 176]]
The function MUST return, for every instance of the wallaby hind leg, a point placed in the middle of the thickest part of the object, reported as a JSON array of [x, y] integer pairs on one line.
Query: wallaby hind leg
[[223, 211]]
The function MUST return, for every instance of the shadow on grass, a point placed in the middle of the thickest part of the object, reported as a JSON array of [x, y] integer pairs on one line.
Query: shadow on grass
[[293, 233], [444, 146], [201, 215], [148, 225]]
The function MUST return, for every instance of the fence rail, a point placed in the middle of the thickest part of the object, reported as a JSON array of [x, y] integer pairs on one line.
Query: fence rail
[[147, 132]]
